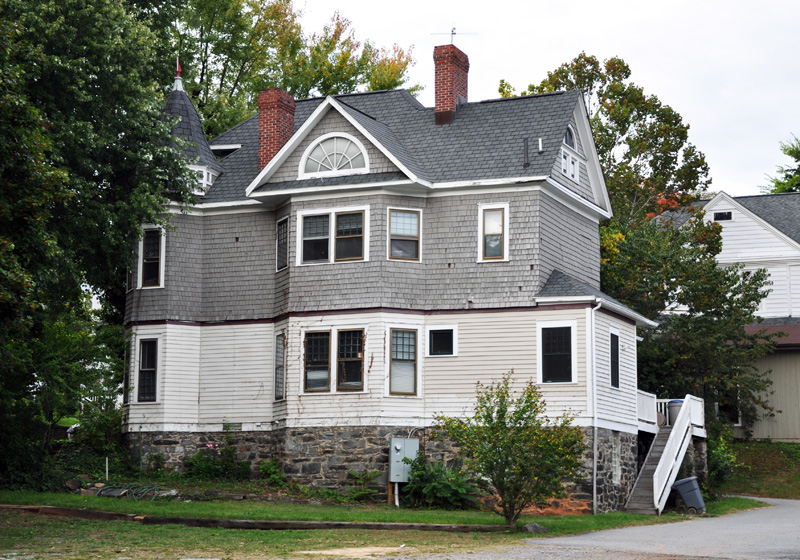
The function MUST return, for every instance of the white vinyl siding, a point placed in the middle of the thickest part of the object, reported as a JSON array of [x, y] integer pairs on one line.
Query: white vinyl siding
[[615, 405]]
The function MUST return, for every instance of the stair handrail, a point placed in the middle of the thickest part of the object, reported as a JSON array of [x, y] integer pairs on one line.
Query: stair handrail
[[671, 458]]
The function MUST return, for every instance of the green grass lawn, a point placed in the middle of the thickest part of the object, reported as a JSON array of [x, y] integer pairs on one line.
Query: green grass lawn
[[71, 539], [768, 469]]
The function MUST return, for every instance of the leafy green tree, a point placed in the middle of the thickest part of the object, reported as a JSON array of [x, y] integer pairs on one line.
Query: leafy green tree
[[233, 49], [701, 345], [508, 440], [648, 162], [788, 179]]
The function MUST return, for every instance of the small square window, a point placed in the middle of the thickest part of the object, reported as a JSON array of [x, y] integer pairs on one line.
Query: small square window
[[440, 342]]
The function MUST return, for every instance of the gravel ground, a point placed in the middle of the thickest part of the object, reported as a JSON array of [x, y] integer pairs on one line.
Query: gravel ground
[[544, 552]]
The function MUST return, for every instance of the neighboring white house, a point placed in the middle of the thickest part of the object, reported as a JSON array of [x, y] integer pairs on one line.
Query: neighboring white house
[[764, 232]]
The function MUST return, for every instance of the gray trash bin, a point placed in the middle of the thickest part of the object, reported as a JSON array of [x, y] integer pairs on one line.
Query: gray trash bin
[[674, 408], [690, 494]]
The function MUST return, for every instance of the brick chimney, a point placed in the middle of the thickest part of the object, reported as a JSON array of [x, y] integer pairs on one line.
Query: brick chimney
[[275, 123], [452, 67]]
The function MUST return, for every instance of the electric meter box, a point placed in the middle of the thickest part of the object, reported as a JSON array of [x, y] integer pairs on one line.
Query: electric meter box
[[400, 449]]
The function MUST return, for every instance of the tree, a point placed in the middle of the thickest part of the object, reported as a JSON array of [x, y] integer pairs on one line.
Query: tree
[[701, 345], [648, 162], [509, 441], [233, 49], [788, 179]]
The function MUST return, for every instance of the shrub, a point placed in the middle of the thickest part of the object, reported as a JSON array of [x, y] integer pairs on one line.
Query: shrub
[[272, 473], [436, 485], [722, 460], [361, 492]]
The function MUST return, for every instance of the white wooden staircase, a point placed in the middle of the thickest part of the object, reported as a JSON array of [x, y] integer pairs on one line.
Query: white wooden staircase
[[652, 487]]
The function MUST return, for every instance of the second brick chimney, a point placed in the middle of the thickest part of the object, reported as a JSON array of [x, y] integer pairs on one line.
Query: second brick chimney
[[275, 123], [452, 67]]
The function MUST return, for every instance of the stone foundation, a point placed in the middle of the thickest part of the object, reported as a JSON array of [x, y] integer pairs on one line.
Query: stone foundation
[[323, 457]]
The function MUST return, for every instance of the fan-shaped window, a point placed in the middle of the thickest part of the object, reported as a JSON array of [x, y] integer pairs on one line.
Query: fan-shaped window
[[334, 154]]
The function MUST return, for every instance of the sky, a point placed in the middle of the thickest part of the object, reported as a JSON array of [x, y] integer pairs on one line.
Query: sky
[[730, 68]]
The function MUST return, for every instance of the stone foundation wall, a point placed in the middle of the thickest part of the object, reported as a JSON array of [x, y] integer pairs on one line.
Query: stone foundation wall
[[324, 456]]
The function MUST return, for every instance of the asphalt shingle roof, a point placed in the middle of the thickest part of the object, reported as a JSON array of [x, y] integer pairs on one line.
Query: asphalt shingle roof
[[190, 127], [564, 285], [780, 210], [485, 140]]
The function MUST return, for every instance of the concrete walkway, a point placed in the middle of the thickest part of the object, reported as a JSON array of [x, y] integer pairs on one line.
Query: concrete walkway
[[771, 533]]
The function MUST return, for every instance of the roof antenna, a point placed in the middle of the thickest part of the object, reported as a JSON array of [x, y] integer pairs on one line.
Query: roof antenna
[[453, 34]]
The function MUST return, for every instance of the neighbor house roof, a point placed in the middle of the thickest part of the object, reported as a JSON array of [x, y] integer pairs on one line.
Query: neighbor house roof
[[780, 210], [484, 142]]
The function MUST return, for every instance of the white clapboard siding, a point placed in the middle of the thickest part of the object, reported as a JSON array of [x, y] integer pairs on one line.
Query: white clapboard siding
[[616, 405], [180, 373], [778, 302], [746, 239], [236, 375]]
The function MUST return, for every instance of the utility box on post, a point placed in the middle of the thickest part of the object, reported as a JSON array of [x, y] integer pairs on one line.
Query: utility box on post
[[400, 449]]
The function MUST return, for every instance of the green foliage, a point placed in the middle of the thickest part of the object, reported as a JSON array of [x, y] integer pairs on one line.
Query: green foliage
[[156, 463], [648, 163], [361, 492], [704, 349], [509, 440], [216, 462], [788, 179], [272, 473], [435, 485], [722, 460]]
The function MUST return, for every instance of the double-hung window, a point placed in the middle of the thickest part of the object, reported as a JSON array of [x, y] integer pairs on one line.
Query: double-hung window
[[404, 234], [403, 366], [557, 352], [151, 259], [280, 366], [614, 358], [350, 360], [282, 244], [317, 361], [493, 232], [333, 235], [148, 365]]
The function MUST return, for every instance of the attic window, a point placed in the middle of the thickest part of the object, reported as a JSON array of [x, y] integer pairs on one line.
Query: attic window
[[205, 178], [334, 154], [723, 216], [569, 138]]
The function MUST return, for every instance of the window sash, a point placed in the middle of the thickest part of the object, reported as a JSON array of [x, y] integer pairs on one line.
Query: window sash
[[151, 258], [493, 225], [403, 368], [349, 236], [556, 354], [350, 360], [148, 361], [614, 360], [282, 245], [317, 361], [440, 342], [280, 367], [316, 238], [404, 226]]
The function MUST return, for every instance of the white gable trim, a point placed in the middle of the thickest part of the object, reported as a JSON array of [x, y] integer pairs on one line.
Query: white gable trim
[[593, 168], [575, 201], [723, 196], [290, 146]]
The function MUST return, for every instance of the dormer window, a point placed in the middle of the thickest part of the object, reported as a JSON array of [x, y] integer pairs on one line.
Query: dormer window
[[570, 162], [205, 178], [569, 138], [332, 155]]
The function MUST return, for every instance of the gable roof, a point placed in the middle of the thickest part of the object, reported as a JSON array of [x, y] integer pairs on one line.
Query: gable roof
[[779, 210], [189, 127], [484, 143]]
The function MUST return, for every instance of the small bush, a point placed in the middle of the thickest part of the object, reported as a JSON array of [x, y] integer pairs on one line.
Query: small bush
[[216, 462], [271, 472], [436, 485], [722, 461], [361, 492]]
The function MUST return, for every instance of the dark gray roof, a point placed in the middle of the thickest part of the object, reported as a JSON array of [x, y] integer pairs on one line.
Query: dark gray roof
[[485, 141], [190, 127], [782, 211], [564, 285]]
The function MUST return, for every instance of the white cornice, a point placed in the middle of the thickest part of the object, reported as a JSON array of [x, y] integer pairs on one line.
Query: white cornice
[[608, 305]]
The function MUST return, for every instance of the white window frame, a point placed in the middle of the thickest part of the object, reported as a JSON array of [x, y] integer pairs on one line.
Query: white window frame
[[162, 257], [133, 399], [450, 327], [203, 183], [388, 363], [540, 325], [331, 213], [570, 163], [301, 173], [333, 359], [615, 331], [493, 206], [389, 233], [277, 225]]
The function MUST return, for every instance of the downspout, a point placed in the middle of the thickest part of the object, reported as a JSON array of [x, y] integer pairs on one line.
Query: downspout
[[594, 409]]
